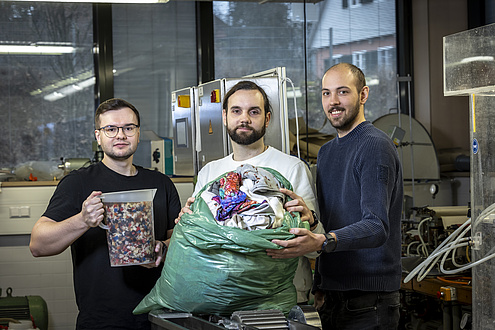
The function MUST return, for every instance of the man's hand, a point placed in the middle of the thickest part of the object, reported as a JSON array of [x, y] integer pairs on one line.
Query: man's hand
[[92, 210], [304, 242], [297, 204], [319, 300], [185, 209], [161, 250], [50, 237]]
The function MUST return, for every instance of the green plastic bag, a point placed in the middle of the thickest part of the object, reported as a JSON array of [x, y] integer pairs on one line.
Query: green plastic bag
[[215, 269]]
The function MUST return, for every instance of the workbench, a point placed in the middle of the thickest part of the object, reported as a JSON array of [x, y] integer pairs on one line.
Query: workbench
[[432, 287]]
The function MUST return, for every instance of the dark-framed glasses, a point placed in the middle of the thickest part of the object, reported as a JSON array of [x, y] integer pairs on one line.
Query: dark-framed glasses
[[112, 131]]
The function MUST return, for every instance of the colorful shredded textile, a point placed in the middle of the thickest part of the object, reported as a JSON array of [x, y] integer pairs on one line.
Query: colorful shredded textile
[[231, 199], [248, 198]]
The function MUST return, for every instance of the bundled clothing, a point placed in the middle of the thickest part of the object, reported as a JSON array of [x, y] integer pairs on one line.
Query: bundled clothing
[[215, 269], [298, 174], [247, 198]]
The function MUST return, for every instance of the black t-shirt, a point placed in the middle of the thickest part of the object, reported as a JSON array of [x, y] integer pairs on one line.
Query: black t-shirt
[[106, 296]]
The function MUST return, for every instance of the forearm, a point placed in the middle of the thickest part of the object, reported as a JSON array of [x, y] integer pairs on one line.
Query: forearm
[[50, 237], [169, 235]]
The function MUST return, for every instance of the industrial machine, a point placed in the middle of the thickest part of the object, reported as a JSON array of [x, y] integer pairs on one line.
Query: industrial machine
[[468, 67], [13, 309], [435, 226], [199, 133], [300, 318], [469, 64], [416, 149], [184, 123], [210, 134], [154, 152], [70, 164]]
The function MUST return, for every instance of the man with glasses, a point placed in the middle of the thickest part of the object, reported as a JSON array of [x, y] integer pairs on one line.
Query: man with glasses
[[106, 295]]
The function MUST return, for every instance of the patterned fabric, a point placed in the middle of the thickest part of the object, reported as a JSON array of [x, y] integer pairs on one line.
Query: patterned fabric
[[248, 198], [231, 199]]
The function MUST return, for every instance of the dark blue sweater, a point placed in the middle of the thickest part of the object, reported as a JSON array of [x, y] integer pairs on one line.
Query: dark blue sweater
[[359, 186]]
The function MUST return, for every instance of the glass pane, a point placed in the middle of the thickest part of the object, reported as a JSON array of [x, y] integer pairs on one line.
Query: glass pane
[[252, 37], [154, 51], [47, 97]]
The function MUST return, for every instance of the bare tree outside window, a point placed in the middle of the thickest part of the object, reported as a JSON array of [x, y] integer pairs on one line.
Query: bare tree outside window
[[252, 37]]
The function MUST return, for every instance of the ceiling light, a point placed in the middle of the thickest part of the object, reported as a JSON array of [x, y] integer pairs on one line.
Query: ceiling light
[[68, 90], [101, 1], [477, 59], [57, 85], [36, 49]]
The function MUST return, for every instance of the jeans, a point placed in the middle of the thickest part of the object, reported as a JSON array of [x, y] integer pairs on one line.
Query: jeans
[[360, 310]]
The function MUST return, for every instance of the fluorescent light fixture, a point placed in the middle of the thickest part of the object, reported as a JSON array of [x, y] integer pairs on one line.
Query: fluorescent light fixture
[[373, 82], [70, 89], [76, 81], [101, 1], [296, 92], [477, 59], [35, 49]]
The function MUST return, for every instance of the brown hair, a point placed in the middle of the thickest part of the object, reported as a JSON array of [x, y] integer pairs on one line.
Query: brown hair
[[247, 85], [114, 104]]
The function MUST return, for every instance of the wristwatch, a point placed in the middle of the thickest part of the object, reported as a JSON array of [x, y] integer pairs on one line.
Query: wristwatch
[[164, 249], [329, 245]]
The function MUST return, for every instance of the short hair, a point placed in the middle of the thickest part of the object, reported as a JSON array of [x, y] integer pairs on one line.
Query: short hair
[[114, 104], [355, 71], [247, 85]]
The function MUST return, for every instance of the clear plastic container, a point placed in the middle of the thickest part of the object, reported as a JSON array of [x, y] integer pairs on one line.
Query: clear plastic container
[[129, 223]]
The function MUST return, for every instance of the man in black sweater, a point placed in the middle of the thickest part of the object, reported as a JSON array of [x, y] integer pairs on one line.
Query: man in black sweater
[[360, 191]]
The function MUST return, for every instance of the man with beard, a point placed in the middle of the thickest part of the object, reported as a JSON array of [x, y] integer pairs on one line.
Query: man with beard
[[105, 295], [359, 187], [246, 115]]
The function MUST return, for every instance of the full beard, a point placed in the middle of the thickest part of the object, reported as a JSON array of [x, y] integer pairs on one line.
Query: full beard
[[246, 138]]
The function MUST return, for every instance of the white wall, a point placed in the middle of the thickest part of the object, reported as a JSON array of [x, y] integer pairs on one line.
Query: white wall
[[48, 277], [445, 118]]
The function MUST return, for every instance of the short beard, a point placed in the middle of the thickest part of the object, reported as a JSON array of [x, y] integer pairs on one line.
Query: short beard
[[125, 156], [346, 122], [246, 139]]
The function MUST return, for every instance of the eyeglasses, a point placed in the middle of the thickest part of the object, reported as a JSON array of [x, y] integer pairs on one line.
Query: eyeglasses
[[112, 131]]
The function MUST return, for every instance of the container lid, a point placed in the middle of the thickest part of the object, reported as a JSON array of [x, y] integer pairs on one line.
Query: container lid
[[129, 196]]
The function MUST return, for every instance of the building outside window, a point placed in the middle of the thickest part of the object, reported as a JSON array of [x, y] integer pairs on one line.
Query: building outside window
[[251, 37]]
